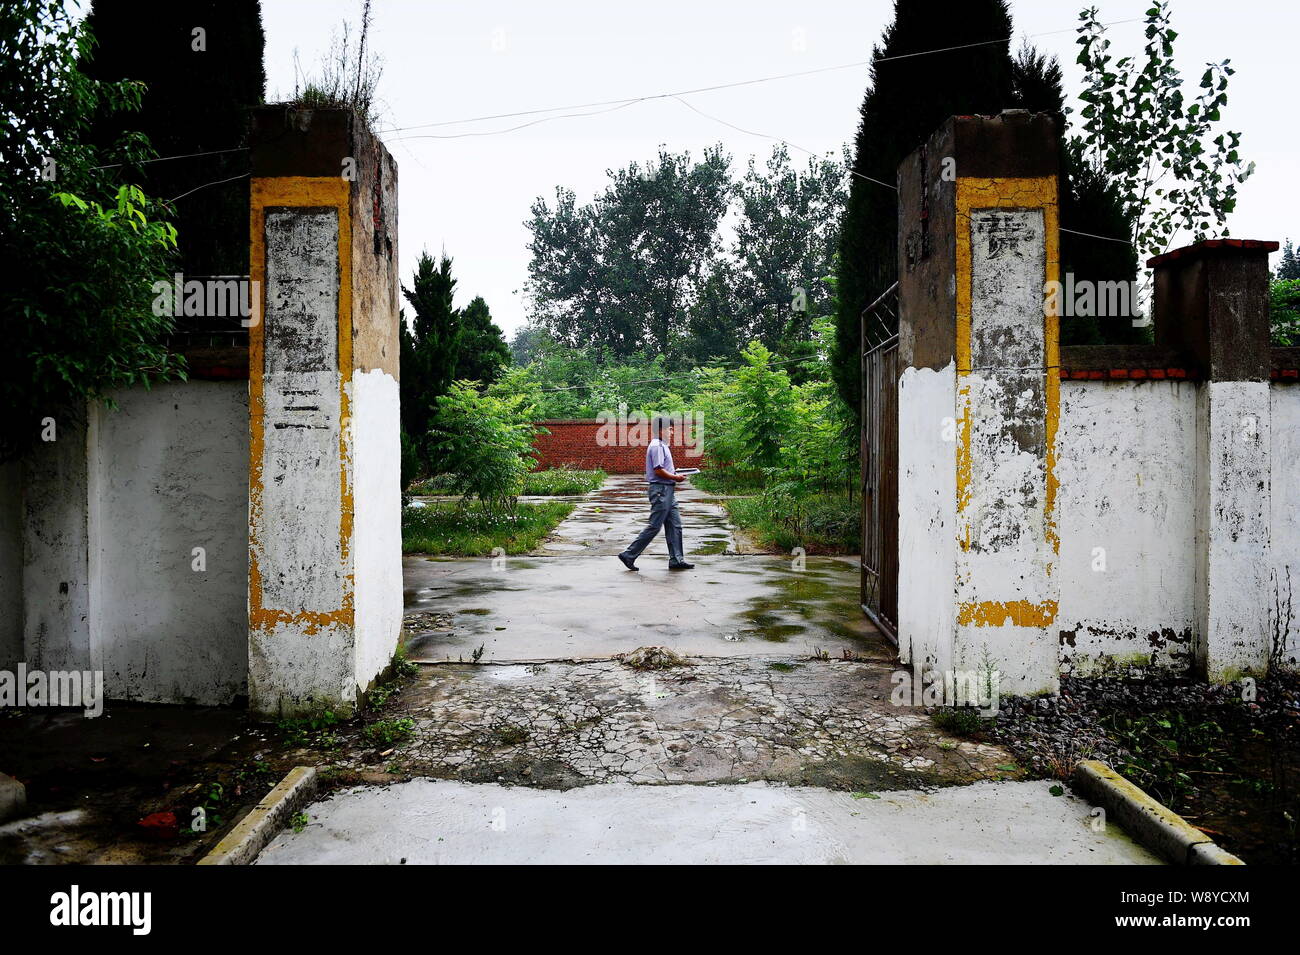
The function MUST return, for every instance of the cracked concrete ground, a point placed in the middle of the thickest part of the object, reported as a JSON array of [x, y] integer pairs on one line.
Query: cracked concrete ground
[[560, 725], [776, 742]]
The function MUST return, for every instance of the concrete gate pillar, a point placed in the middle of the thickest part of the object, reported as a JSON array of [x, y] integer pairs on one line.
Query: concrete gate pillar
[[1211, 302], [979, 402], [325, 577]]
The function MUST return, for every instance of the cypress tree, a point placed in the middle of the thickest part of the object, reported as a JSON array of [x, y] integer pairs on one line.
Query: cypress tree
[[483, 350], [905, 102]]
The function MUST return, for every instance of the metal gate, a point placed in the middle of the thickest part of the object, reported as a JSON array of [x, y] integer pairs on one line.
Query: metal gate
[[880, 371]]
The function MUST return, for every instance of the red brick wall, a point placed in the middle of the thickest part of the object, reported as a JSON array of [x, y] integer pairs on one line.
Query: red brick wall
[[573, 443]]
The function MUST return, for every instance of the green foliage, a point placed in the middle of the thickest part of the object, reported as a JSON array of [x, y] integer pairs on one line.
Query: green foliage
[[1289, 267], [621, 272], [81, 249], [483, 349], [484, 441], [1284, 311], [765, 407], [831, 524], [441, 344], [786, 236], [1174, 175], [472, 530], [430, 347], [551, 482], [152, 43], [390, 731]]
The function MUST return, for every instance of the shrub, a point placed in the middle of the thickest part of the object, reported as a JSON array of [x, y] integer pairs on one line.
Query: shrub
[[485, 444]]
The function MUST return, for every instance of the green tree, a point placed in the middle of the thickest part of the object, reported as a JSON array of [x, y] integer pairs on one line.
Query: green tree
[[527, 343], [430, 348], [1289, 267], [714, 325], [765, 407], [1284, 311], [786, 236], [1175, 177], [906, 100], [1089, 203], [484, 442], [201, 66], [81, 246], [483, 349], [622, 272]]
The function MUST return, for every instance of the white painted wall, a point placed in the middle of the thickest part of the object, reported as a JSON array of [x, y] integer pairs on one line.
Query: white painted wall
[[1126, 502], [172, 475], [1233, 528], [1284, 586], [377, 530], [927, 517]]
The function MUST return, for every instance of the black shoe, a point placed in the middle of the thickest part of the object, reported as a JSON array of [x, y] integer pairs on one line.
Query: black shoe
[[627, 562], [682, 566]]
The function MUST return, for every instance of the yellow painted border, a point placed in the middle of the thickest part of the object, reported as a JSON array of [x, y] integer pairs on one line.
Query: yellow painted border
[[1007, 193], [312, 193]]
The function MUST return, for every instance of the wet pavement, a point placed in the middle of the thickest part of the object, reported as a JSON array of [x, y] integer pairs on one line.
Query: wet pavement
[[606, 520], [557, 605], [446, 823]]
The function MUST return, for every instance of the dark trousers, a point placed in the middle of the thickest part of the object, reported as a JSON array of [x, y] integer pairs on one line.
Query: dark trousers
[[663, 513]]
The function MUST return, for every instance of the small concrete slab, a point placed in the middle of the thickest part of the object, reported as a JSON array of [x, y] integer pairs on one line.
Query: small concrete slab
[[448, 823]]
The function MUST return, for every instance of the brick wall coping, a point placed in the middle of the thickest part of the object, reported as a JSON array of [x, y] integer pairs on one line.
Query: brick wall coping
[[1192, 251]]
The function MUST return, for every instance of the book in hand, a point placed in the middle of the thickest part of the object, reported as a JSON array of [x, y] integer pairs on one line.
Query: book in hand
[[687, 471]]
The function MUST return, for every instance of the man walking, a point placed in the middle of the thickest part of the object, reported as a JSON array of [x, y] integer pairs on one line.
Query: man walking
[[662, 481]]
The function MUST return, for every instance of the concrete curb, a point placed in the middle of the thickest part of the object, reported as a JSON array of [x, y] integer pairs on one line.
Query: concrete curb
[[1147, 821], [251, 834]]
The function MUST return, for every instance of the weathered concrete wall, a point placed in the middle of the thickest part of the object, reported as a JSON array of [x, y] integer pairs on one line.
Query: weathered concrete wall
[[1127, 520], [378, 549], [57, 580], [324, 478], [1006, 423], [1284, 609], [172, 465], [301, 649], [11, 564], [927, 517], [1234, 509]]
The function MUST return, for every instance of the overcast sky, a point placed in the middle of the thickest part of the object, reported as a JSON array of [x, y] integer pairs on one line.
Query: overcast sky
[[446, 61]]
